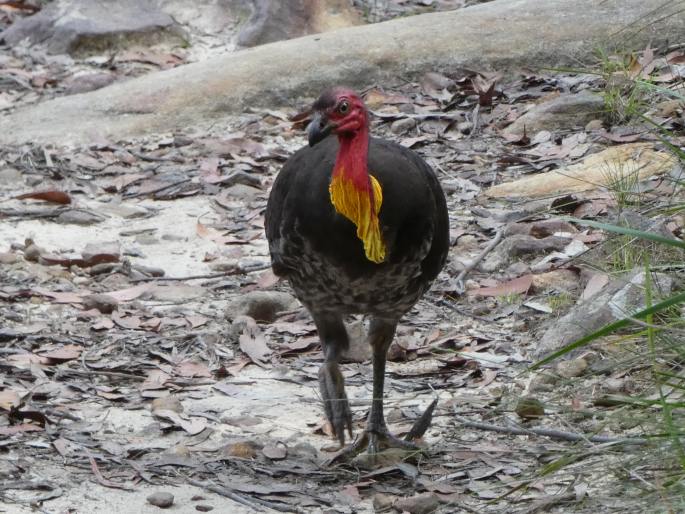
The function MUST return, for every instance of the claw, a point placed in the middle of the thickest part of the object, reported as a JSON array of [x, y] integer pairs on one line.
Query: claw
[[375, 444], [336, 406], [376, 438]]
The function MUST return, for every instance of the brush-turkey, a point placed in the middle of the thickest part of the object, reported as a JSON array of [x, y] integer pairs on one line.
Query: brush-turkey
[[358, 225]]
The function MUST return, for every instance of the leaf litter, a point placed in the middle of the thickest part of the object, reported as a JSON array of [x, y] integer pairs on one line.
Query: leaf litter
[[238, 412]]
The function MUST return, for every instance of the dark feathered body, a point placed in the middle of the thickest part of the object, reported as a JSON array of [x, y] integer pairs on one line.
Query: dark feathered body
[[343, 255], [318, 250]]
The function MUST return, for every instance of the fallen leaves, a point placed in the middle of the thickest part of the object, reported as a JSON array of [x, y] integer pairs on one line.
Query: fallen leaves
[[253, 343], [519, 285], [53, 196]]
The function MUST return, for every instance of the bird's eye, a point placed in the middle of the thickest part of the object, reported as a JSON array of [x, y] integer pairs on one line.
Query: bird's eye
[[343, 107]]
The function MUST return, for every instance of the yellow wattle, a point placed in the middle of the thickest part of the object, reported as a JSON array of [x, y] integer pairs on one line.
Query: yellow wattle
[[355, 205]]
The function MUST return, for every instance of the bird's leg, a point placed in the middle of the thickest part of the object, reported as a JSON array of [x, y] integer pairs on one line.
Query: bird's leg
[[381, 333], [376, 436], [334, 341]]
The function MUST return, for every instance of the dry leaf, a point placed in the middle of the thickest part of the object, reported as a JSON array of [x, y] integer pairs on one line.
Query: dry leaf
[[17, 429], [102, 324], [9, 399], [59, 197], [192, 369], [131, 293], [59, 296], [65, 353], [594, 285], [193, 425], [214, 235], [156, 378], [519, 285], [252, 342]]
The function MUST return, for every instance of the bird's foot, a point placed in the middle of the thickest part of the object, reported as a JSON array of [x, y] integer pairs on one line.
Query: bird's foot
[[377, 442], [375, 447], [332, 386]]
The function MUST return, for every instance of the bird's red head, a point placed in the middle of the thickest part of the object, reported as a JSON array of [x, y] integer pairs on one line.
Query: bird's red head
[[355, 193], [339, 111]]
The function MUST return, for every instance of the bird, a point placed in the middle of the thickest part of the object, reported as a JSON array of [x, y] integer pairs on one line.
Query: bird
[[357, 225]]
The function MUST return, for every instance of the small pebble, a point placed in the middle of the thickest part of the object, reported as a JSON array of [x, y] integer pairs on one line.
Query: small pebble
[[529, 408], [418, 504], [161, 500], [572, 368], [382, 502], [102, 302]]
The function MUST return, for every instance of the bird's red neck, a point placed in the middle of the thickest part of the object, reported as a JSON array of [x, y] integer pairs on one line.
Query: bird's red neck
[[355, 193], [352, 160]]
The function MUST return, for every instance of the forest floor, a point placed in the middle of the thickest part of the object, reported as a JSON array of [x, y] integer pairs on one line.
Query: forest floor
[[129, 367]]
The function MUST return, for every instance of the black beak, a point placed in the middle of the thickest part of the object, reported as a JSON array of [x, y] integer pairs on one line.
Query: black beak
[[319, 128]]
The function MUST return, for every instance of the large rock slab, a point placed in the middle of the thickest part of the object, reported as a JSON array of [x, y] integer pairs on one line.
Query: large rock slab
[[596, 170], [502, 34], [86, 27]]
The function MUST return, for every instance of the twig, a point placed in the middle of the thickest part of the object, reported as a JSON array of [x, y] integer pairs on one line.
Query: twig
[[422, 116], [475, 120], [253, 503], [491, 246], [237, 271], [546, 503], [551, 433], [92, 372], [158, 189], [227, 493], [101, 479]]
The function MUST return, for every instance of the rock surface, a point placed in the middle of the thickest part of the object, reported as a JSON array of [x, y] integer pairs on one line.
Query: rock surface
[[497, 35], [595, 170], [86, 27], [260, 305], [564, 112], [620, 298], [275, 21]]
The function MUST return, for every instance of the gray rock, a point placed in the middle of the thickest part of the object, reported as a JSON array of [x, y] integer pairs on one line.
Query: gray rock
[[571, 368], [102, 302], [282, 74], [402, 125], [275, 21], [615, 301], [161, 500], [260, 305], [87, 27], [561, 113], [103, 252], [87, 82], [418, 504]]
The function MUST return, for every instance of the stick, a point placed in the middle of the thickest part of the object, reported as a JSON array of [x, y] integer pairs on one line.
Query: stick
[[551, 433], [237, 271], [253, 503], [491, 245]]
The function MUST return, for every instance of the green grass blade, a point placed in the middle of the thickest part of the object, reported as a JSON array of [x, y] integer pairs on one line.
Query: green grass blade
[[628, 231]]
